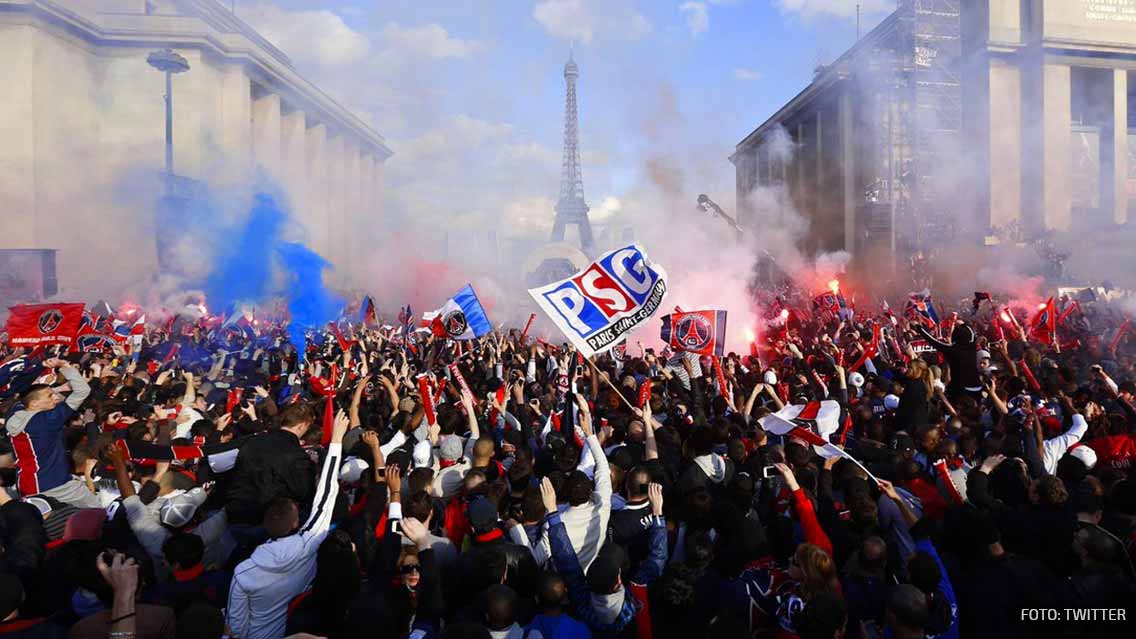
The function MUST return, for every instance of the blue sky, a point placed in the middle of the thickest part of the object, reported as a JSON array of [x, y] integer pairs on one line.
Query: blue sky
[[470, 93]]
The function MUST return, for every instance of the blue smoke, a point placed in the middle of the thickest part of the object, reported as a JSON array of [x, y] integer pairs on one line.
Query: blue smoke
[[310, 304], [243, 268], [247, 269]]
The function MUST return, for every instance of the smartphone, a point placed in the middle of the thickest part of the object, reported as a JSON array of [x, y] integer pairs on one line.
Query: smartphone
[[579, 371], [769, 472]]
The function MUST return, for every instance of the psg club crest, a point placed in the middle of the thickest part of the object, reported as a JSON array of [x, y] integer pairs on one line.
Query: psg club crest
[[701, 332], [455, 323], [49, 320], [694, 332]]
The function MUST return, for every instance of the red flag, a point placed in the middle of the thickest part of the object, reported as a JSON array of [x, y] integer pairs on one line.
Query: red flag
[[344, 344], [1043, 327], [702, 332], [43, 324]]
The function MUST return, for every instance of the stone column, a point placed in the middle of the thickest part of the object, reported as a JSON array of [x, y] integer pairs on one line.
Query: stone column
[[294, 158], [236, 123], [848, 169], [317, 196], [333, 221], [266, 135], [1005, 144], [1120, 146], [352, 218], [1057, 120]]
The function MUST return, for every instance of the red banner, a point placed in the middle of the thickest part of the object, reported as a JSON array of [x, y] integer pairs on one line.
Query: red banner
[[43, 324], [528, 325], [456, 373], [645, 394], [427, 398], [723, 390]]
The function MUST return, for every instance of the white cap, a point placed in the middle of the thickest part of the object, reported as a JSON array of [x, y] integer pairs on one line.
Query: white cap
[[352, 469], [891, 402], [983, 355], [856, 379], [421, 455], [1085, 454], [770, 377]]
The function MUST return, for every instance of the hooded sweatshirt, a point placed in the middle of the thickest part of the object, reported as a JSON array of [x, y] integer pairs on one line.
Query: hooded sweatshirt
[[280, 569], [37, 439], [587, 523]]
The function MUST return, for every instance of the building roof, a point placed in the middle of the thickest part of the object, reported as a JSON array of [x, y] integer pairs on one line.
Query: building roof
[[825, 78], [211, 26]]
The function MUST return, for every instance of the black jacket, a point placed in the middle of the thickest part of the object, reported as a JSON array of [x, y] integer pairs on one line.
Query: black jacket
[[270, 465], [961, 355], [470, 573]]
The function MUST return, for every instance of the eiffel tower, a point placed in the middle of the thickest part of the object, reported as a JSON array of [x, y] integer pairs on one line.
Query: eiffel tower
[[570, 206]]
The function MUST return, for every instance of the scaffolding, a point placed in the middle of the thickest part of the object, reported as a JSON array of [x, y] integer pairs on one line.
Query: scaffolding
[[908, 77], [930, 32]]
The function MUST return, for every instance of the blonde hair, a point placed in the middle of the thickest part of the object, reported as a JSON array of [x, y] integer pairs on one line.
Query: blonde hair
[[818, 571], [921, 371]]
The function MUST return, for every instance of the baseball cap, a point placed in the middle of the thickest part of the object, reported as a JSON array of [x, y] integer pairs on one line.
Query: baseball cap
[[770, 377], [891, 402], [1087, 455], [902, 442], [450, 449], [177, 511], [984, 354], [856, 379], [421, 454], [352, 469], [482, 514]]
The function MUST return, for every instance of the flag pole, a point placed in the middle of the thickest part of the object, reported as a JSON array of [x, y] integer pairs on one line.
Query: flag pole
[[596, 371]]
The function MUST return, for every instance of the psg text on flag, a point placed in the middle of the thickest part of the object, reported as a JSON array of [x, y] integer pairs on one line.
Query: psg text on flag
[[599, 305], [602, 340]]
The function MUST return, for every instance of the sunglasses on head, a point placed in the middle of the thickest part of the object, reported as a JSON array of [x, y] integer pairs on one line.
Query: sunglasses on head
[[406, 569]]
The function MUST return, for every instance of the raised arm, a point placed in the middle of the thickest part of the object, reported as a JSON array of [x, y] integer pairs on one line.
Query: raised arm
[[356, 398], [327, 488]]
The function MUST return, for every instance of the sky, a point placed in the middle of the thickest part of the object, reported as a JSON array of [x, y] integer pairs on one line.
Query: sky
[[470, 95]]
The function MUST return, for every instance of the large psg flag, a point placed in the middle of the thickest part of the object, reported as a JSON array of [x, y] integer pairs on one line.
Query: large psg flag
[[43, 324], [702, 332]]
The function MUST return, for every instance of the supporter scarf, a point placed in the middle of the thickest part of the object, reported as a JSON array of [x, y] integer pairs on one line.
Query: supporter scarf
[[327, 388], [139, 449]]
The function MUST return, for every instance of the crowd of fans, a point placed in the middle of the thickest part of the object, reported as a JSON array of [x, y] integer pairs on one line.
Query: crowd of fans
[[215, 483]]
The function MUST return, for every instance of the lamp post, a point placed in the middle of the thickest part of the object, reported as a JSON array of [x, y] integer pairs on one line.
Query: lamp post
[[169, 63]]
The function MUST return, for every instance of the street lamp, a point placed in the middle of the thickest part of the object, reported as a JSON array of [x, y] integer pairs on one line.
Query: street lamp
[[169, 63]]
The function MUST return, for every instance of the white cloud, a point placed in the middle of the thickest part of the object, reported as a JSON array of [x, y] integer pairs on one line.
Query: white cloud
[[587, 20], [567, 19], [834, 8], [697, 17], [746, 74], [606, 210], [430, 40], [321, 36]]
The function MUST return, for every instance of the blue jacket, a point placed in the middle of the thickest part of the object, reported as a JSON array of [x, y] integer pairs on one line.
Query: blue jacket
[[556, 627], [945, 588], [37, 439], [564, 558]]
